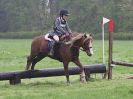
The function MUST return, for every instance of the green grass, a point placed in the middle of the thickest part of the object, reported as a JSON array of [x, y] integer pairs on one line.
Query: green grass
[[50, 89], [13, 55]]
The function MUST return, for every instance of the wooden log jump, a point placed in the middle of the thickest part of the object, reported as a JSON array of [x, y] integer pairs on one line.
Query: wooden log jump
[[122, 63], [15, 76]]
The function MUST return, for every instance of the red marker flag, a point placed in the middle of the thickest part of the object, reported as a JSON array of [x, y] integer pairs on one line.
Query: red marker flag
[[111, 26]]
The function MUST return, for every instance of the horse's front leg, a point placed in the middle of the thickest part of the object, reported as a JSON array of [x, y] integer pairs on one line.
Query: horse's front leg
[[66, 71], [82, 73]]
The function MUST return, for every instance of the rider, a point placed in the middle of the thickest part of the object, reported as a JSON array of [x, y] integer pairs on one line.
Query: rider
[[60, 28]]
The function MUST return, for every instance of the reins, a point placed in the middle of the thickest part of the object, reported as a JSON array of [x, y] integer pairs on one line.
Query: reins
[[79, 48]]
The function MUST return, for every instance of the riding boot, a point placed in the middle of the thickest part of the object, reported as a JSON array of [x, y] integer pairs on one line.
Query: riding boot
[[51, 53]]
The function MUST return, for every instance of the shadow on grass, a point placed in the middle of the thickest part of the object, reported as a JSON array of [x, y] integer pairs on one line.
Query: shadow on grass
[[46, 84], [57, 83]]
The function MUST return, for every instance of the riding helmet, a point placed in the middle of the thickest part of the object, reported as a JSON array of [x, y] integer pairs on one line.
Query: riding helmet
[[64, 12]]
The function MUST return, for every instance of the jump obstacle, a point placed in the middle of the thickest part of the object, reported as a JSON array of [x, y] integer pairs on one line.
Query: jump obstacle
[[111, 62], [15, 77]]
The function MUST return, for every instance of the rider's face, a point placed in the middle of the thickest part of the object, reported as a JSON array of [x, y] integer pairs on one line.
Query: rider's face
[[65, 17]]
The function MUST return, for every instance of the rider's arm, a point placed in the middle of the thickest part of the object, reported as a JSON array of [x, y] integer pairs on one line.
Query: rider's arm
[[68, 29]]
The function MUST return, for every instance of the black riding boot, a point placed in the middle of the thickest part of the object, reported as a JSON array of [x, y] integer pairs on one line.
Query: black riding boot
[[51, 53]]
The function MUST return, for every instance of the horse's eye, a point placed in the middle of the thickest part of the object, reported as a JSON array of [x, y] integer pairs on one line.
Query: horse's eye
[[87, 43]]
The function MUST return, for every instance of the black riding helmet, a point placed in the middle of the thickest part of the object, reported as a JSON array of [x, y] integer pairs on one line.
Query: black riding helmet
[[64, 12]]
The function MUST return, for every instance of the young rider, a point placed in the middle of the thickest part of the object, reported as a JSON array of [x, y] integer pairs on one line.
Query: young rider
[[60, 28]]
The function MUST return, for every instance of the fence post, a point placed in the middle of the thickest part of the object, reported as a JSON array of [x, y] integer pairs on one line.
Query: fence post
[[110, 55]]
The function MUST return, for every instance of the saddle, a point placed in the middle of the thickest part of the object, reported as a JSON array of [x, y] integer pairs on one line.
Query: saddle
[[56, 45]]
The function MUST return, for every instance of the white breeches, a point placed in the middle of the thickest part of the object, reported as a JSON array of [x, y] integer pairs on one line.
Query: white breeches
[[47, 38], [55, 37]]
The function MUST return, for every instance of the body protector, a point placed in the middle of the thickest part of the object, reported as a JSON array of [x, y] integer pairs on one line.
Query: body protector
[[61, 27]]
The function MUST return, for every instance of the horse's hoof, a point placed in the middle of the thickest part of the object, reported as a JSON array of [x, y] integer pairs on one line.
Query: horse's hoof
[[69, 84], [84, 81]]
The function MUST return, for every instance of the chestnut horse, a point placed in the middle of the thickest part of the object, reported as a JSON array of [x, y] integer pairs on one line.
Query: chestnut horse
[[64, 52]]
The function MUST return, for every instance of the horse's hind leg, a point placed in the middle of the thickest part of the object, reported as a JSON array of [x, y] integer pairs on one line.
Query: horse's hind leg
[[38, 58], [29, 61]]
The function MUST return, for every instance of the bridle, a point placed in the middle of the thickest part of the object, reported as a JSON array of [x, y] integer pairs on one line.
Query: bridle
[[83, 49], [84, 46]]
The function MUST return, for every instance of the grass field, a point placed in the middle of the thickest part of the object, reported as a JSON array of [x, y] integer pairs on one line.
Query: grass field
[[13, 55]]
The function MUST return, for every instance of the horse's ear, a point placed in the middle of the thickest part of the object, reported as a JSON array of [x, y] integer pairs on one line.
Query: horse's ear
[[91, 34], [85, 35]]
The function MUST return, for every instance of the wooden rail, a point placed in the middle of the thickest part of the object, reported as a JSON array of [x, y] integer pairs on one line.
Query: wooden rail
[[122, 63], [15, 76]]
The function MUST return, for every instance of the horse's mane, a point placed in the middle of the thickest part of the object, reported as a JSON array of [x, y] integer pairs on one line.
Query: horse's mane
[[77, 36]]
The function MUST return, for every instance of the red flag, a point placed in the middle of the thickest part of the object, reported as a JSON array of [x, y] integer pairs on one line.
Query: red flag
[[111, 26]]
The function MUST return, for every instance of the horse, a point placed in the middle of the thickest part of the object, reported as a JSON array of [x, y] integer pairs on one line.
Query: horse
[[64, 52]]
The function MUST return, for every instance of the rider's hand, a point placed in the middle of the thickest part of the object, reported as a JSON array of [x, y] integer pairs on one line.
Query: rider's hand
[[67, 34], [70, 34]]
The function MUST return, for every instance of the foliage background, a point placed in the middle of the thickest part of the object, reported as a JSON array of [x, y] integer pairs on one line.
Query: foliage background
[[86, 16]]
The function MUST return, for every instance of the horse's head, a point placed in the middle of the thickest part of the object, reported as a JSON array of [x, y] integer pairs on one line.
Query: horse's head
[[87, 44], [84, 41]]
